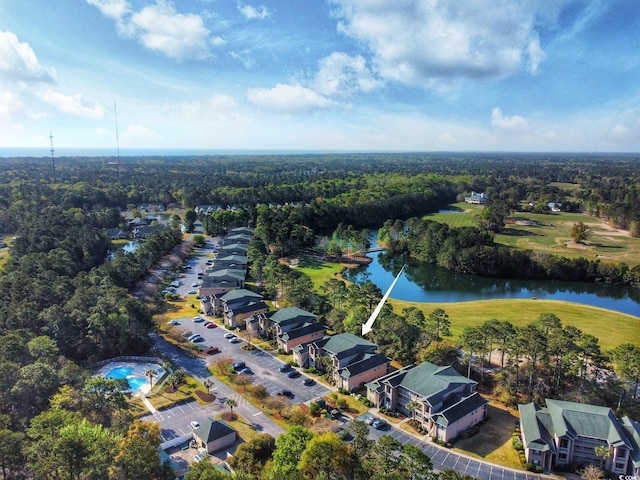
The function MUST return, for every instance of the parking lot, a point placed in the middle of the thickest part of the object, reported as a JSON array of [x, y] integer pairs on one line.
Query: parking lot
[[446, 459]]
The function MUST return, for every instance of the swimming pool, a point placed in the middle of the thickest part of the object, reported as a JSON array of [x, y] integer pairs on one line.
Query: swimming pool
[[135, 374]]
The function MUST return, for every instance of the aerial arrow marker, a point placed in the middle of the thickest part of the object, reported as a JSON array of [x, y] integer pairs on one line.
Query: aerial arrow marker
[[367, 327]]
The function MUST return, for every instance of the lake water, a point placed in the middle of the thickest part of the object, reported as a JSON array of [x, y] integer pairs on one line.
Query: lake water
[[428, 283]]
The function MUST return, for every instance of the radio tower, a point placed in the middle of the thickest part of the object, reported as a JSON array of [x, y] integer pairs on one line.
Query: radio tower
[[115, 109], [53, 159]]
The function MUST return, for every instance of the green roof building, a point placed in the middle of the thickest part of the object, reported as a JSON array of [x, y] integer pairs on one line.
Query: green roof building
[[567, 433]]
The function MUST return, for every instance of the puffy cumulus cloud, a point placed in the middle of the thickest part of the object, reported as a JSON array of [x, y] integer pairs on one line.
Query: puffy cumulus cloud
[[419, 41], [340, 75], [254, 13], [18, 61], [161, 28], [177, 35], [515, 122], [290, 99], [71, 104]]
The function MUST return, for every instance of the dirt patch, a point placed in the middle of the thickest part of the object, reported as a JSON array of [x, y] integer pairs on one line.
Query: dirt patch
[[578, 246], [228, 416], [205, 397]]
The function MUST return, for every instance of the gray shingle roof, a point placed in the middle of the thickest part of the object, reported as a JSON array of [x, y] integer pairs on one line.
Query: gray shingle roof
[[369, 362], [210, 430], [592, 421], [308, 328], [345, 344]]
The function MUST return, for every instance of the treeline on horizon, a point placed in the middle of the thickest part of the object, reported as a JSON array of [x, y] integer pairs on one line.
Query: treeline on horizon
[[605, 185]]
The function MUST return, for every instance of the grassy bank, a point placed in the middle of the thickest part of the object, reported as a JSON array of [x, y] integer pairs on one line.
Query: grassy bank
[[611, 328]]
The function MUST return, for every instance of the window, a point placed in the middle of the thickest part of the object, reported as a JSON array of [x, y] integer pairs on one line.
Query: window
[[564, 443], [562, 456]]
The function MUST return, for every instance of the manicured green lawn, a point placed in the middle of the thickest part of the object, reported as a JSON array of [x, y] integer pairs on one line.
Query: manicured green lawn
[[611, 328], [318, 271], [552, 234], [466, 217]]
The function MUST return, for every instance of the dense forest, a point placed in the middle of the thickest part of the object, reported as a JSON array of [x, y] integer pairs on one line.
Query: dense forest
[[66, 302]]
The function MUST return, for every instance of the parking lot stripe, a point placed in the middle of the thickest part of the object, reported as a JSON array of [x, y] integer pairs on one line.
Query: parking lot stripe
[[256, 414]]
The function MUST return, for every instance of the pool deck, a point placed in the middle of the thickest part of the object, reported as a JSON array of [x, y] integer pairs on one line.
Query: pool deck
[[138, 371]]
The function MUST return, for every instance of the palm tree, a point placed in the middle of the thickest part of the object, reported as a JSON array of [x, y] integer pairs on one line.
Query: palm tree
[[208, 384], [151, 374], [413, 406], [602, 452], [231, 403]]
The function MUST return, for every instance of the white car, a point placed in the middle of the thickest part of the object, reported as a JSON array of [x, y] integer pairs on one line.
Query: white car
[[195, 424], [198, 319], [229, 335], [173, 322], [192, 292]]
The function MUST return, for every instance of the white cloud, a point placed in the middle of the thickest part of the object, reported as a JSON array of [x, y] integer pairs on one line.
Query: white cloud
[[288, 99], [115, 9], [339, 74], [418, 41], [515, 122], [254, 13], [71, 104], [161, 28], [18, 61], [177, 35]]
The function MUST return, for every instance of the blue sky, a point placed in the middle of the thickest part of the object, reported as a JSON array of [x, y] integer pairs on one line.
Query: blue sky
[[381, 75]]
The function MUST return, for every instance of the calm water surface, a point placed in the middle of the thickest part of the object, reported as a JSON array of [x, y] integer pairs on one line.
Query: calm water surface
[[428, 283]]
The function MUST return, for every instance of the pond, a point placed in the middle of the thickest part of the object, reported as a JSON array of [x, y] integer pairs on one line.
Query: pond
[[431, 284]]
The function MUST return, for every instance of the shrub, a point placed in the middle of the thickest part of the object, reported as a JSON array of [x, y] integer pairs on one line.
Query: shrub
[[518, 445], [539, 469], [314, 408], [313, 370], [528, 466]]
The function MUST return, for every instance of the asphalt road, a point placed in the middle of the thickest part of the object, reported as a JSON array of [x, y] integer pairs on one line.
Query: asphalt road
[[446, 459]]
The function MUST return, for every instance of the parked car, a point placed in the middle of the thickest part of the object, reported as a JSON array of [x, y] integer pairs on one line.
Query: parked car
[[344, 433], [379, 424], [238, 366], [192, 292], [245, 371], [195, 424], [285, 367], [210, 325], [234, 340], [212, 350], [173, 322], [196, 339], [229, 335], [285, 393], [194, 335], [198, 319], [293, 374], [307, 382]]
